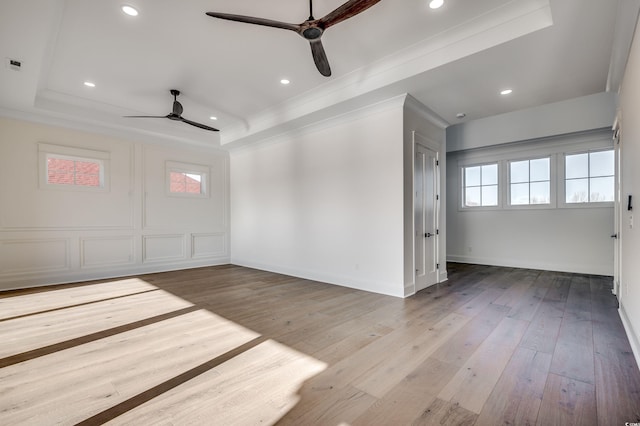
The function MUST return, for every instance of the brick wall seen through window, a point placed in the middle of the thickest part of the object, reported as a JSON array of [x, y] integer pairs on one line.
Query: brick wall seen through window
[[74, 171], [185, 183]]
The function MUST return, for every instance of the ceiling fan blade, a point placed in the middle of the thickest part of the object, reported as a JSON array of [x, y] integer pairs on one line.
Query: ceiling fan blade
[[256, 21], [201, 126], [320, 57], [346, 11], [146, 116]]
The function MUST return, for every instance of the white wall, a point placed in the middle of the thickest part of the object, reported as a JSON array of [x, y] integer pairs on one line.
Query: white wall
[[630, 158], [562, 238], [56, 235], [431, 130], [570, 116], [325, 202]]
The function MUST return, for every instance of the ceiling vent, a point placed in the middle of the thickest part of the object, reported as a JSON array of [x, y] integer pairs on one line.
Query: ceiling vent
[[14, 64]]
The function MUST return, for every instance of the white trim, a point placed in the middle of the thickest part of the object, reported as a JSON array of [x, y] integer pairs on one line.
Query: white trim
[[554, 148], [39, 280], [462, 186], [47, 150], [130, 258], [562, 180], [371, 286], [575, 268], [187, 168], [631, 335]]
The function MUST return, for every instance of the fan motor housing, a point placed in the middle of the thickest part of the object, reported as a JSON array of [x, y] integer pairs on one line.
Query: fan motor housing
[[312, 33]]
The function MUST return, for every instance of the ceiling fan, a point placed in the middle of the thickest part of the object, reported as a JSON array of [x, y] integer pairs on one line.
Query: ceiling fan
[[311, 29], [176, 114]]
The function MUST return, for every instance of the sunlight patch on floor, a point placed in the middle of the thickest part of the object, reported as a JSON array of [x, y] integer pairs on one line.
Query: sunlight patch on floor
[[87, 378], [257, 387]]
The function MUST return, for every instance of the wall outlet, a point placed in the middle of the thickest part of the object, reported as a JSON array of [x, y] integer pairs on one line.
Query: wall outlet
[[13, 64]]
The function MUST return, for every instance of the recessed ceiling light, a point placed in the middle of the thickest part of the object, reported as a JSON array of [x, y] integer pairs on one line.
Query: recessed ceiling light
[[89, 84], [506, 92], [130, 10], [436, 4], [461, 115], [284, 81], [213, 118]]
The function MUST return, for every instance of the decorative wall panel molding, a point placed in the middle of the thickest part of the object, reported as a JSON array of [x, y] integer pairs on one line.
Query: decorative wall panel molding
[[208, 245], [159, 248], [34, 256], [106, 251]]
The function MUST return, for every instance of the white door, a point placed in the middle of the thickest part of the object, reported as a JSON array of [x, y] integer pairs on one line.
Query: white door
[[426, 217], [617, 216]]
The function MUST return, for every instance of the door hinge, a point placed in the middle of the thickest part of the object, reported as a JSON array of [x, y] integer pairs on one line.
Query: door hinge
[[437, 163], [437, 232], [437, 197], [437, 266]]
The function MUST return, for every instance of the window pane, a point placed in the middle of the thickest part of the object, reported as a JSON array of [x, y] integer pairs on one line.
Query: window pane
[[472, 197], [519, 194], [60, 165], [601, 164], [520, 171], [490, 195], [577, 166], [193, 183], [178, 182], [490, 174], [60, 178], [87, 173], [577, 191], [540, 169], [67, 171], [189, 183], [540, 193], [602, 189], [472, 176]]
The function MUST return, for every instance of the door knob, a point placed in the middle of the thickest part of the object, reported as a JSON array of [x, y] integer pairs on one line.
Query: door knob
[[614, 236], [428, 234]]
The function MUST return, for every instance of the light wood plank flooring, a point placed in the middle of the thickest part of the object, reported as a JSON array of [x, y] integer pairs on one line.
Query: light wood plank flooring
[[235, 346]]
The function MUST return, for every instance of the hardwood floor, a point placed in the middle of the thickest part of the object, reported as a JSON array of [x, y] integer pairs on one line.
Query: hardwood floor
[[235, 346]]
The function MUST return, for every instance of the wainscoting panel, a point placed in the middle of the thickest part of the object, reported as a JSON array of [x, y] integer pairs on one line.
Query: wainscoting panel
[[161, 248], [106, 251], [29, 256], [208, 245]]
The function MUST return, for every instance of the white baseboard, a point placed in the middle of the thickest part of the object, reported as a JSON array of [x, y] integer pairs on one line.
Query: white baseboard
[[40, 280], [633, 337], [409, 289], [606, 270], [380, 287]]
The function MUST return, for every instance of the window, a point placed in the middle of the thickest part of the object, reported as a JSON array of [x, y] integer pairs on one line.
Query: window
[[186, 180], [76, 171], [530, 182], [186, 183], [480, 185], [73, 169], [589, 177]]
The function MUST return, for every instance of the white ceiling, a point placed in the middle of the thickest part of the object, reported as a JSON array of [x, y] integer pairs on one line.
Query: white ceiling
[[455, 59]]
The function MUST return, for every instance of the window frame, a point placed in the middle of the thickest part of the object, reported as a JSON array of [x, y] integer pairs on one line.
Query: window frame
[[552, 179], [46, 151], [554, 147], [187, 168], [562, 188], [462, 187]]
